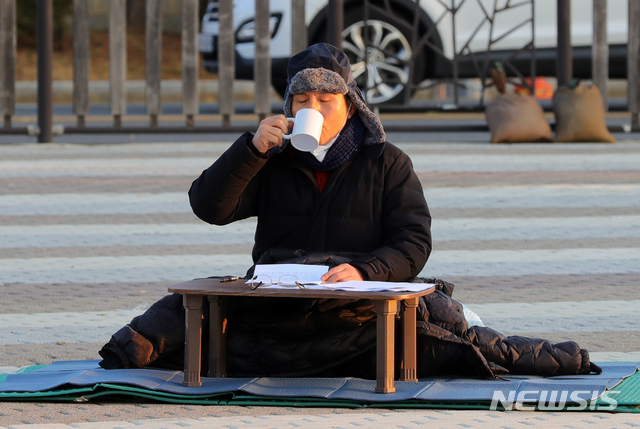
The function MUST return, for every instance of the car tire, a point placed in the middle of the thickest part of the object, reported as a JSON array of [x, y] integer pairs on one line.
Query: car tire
[[388, 57]]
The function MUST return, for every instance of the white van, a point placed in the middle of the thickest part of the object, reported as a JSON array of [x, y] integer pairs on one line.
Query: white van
[[392, 23]]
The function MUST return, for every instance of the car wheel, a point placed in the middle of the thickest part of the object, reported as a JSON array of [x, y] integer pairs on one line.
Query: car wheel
[[381, 69]]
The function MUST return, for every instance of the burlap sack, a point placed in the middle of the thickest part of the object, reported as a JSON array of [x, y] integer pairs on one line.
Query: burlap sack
[[580, 115], [516, 118]]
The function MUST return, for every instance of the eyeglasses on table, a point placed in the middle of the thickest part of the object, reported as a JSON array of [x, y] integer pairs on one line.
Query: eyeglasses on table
[[285, 280]]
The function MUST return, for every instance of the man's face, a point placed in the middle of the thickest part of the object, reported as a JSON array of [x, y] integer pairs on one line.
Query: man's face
[[333, 108]]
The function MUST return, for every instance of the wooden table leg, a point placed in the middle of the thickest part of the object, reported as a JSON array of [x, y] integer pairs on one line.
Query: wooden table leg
[[192, 340], [217, 336], [386, 313], [409, 358]]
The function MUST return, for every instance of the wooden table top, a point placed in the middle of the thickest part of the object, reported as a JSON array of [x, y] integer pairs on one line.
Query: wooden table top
[[240, 288]]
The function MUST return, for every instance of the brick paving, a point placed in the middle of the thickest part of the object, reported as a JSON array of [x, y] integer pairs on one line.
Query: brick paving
[[540, 240], [201, 418]]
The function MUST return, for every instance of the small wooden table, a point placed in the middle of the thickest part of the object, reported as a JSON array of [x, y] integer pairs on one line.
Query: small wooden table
[[386, 304]]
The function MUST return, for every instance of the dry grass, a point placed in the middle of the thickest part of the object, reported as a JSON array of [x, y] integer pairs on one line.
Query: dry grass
[[26, 67]]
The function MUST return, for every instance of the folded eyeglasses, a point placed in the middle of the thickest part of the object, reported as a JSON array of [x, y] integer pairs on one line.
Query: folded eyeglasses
[[263, 279]]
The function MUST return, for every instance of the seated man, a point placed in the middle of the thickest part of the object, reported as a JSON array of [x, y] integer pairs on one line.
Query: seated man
[[354, 204], [356, 197]]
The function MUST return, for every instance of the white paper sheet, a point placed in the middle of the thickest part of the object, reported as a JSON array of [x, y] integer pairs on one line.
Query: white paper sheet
[[285, 276], [288, 274], [373, 286]]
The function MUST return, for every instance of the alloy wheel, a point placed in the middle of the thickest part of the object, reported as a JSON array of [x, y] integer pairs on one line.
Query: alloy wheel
[[381, 66]]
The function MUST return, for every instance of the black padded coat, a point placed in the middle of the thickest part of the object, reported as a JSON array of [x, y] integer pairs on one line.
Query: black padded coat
[[372, 205]]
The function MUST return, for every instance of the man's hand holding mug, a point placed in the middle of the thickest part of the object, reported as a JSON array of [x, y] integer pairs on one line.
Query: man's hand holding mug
[[305, 136], [270, 133]]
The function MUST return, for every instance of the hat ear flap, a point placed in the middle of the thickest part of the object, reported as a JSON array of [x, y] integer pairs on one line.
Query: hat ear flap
[[357, 90], [352, 106]]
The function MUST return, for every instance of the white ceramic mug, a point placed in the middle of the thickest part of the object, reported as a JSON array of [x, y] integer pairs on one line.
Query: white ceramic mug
[[307, 129]]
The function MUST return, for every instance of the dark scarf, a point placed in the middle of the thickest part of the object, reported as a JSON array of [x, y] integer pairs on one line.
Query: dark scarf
[[350, 139]]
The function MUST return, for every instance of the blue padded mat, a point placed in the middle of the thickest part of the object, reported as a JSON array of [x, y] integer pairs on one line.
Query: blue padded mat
[[74, 374], [36, 382], [147, 379], [209, 385], [474, 390], [70, 365], [610, 370], [364, 390], [312, 387]]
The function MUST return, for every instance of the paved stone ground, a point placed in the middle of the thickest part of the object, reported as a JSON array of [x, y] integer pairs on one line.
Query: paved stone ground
[[141, 418], [540, 240]]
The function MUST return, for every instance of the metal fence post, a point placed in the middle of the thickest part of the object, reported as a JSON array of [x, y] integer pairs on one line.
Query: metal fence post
[[117, 59], [8, 60], [44, 35], [262, 65], [564, 58], [456, 55], [226, 61], [335, 22], [633, 63], [189, 60], [153, 60], [534, 71], [298, 26], [80, 60], [600, 51]]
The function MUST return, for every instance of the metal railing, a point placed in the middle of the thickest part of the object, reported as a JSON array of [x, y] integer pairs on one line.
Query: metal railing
[[226, 55], [633, 63]]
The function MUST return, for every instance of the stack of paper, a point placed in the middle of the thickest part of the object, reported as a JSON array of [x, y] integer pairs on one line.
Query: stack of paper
[[286, 276], [366, 286]]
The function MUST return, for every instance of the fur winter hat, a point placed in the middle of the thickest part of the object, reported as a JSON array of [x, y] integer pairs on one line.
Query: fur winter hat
[[325, 68]]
